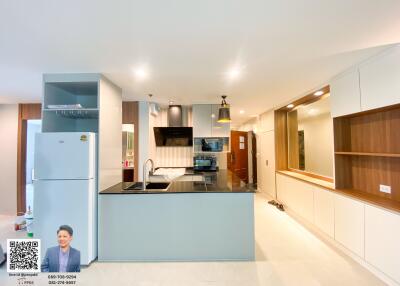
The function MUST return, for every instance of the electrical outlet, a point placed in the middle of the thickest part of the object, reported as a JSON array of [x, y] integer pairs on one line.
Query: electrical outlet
[[385, 189]]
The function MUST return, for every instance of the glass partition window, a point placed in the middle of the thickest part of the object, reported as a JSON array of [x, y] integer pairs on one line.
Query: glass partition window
[[127, 145], [310, 138]]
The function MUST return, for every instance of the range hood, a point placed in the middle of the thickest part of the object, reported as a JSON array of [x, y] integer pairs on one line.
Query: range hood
[[176, 134], [173, 136]]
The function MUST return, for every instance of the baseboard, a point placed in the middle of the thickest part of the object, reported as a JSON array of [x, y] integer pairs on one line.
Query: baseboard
[[336, 245], [264, 195]]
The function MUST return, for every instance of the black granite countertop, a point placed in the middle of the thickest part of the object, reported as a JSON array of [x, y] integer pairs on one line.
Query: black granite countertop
[[222, 181]]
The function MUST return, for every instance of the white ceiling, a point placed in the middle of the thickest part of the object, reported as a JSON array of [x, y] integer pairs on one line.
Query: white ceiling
[[284, 48]]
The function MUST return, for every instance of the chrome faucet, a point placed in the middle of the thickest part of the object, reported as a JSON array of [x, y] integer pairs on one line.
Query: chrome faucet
[[145, 172]]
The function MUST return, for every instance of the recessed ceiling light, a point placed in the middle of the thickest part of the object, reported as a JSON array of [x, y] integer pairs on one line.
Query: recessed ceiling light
[[241, 111], [318, 93], [234, 73], [141, 73], [290, 105]]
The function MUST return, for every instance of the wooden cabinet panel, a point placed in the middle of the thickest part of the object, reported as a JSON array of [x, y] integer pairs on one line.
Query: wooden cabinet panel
[[382, 236], [349, 224], [380, 80], [345, 94], [324, 213]]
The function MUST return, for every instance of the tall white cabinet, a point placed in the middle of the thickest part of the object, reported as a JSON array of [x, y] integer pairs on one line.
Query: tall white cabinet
[[266, 163]]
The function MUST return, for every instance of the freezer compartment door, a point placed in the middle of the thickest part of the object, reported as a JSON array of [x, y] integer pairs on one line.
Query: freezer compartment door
[[71, 202], [65, 155]]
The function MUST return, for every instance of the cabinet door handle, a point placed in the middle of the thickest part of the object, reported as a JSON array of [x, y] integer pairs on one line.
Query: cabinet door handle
[[266, 162]]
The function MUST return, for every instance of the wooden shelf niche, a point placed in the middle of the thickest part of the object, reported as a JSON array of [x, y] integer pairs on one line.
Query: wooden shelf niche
[[367, 154]]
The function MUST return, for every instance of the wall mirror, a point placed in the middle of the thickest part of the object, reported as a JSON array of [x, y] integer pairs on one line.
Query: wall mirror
[[310, 137]]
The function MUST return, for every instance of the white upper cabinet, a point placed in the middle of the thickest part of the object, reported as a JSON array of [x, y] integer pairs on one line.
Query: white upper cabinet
[[205, 122], [380, 80], [345, 93]]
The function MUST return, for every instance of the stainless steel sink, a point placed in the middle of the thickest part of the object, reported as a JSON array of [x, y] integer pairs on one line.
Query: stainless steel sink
[[152, 186]]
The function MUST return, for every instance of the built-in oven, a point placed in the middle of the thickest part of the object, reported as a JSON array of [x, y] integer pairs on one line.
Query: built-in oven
[[204, 163], [212, 144]]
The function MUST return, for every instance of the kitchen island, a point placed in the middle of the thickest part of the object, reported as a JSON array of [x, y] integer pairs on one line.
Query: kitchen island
[[190, 221]]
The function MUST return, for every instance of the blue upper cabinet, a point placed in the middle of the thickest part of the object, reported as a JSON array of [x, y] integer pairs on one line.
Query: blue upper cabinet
[[380, 80], [71, 102], [205, 122]]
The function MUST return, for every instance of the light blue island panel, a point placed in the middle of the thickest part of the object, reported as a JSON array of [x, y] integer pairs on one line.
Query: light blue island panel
[[176, 227]]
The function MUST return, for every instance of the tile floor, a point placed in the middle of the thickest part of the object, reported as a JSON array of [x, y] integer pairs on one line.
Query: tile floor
[[286, 254]]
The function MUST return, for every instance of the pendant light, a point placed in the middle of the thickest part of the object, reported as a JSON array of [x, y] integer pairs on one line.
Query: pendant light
[[224, 114]]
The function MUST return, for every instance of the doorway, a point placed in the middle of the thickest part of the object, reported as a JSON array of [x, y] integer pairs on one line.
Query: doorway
[[239, 155], [32, 127], [29, 123]]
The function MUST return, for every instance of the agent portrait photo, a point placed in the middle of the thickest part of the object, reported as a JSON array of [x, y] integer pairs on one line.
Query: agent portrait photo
[[62, 258]]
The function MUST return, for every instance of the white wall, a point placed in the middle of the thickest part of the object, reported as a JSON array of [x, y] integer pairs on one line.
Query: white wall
[[263, 125], [169, 156], [318, 144], [8, 158], [143, 137]]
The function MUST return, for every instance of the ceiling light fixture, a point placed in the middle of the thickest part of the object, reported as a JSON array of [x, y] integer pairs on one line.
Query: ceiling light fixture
[[290, 105], [224, 114], [234, 73], [141, 73], [241, 111], [318, 93]]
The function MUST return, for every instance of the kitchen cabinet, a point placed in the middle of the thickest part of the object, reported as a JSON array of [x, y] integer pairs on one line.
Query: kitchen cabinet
[[345, 93], [218, 129], [349, 224], [380, 80], [324, 213], [296, 195], [382, 236], [202, 120], [205, 122]]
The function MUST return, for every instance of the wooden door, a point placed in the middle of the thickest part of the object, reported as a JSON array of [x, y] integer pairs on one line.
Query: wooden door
[[26, 112], [239, 160], [254, 156]]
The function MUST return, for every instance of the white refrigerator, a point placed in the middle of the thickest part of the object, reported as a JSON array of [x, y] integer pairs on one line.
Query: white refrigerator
[[65, 190]]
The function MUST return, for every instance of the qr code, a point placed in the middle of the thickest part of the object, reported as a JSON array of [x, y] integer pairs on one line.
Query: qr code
[[23, 255]]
